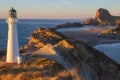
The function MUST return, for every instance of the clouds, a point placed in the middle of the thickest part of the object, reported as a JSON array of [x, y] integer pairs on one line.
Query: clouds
[[67, 2], [64, 3]]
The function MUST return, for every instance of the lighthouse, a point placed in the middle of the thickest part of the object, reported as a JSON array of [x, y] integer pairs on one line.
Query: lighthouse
[[13, 55]]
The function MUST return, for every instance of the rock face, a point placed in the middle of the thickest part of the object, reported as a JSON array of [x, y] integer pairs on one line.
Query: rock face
[[103, 17], [106, 17], [103, 14], [89, 63]]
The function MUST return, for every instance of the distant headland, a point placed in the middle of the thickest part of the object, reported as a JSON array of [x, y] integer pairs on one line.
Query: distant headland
[[102, 18]]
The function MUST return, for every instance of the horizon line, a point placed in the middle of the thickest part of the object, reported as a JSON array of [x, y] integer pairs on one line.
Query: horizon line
[[54, 18]]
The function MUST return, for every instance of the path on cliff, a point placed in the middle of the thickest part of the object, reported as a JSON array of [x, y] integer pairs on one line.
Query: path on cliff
[[52, 53]]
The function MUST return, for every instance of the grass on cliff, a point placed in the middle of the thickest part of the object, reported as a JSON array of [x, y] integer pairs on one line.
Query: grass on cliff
[[39, 69]]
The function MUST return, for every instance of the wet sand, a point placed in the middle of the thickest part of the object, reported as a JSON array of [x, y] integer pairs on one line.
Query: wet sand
[[90, 36]]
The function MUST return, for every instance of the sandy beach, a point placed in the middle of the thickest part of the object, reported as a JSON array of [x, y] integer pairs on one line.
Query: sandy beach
[[90, 36]]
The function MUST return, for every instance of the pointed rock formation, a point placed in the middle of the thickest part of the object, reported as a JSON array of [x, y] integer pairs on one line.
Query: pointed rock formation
[[103, 17]]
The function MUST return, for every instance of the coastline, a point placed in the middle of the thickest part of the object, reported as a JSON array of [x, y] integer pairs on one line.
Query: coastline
[[90, 36], [106, 45]]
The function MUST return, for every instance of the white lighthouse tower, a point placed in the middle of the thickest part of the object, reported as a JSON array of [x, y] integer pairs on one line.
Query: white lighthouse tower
[[12, 45]]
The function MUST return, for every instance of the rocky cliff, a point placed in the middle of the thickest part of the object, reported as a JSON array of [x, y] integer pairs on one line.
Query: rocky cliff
[[104, 17], [89, 63]]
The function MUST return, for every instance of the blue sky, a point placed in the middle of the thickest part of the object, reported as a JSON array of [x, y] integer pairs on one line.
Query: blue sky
[[67, 9]]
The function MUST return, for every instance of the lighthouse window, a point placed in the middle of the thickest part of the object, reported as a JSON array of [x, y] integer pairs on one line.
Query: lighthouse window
[[15, 14]]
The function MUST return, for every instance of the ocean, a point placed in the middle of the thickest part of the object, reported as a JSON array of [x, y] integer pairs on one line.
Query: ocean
[[111, 50], [26, 27]]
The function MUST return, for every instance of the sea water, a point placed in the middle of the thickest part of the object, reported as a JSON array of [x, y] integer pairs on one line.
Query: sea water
[[81, 28], [75, 28], [111, 50], [26, 27]]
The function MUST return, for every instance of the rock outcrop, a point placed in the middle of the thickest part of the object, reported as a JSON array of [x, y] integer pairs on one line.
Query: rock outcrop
[[103, 17], [42, 36], [69, 25], [92, 22], [89, 63]]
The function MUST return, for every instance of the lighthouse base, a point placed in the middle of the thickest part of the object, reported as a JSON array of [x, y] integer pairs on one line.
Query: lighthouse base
[[19, 60]]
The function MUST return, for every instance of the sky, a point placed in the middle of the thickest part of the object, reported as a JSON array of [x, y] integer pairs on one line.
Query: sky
[[58, 9]]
